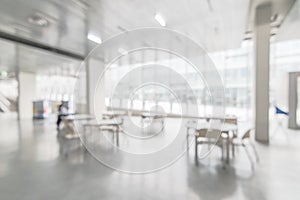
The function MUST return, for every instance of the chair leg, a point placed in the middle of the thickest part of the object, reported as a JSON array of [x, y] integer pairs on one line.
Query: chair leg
[[223, 159], [187, 138], [255, 151], [222, 150], [249, 156], [196, 151], [233, 147]]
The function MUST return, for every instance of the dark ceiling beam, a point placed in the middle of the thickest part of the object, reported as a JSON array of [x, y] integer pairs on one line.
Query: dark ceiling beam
[[20, 40]]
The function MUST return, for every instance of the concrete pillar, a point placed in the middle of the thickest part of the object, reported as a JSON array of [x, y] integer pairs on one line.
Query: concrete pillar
[[95, 87], [293, 99], [27, 88], [262, 65]]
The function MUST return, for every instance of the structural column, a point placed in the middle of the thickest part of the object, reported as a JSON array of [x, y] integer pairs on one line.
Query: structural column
[[293, 99], [262, 65], [95, 87], [27, 88]]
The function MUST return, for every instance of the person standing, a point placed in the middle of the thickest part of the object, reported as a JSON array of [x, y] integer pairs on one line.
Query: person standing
[[62, 111]]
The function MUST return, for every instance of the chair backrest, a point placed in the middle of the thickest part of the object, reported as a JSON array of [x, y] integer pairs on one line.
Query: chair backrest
[[201, 132], [231, 121], [247, 134], [208, 133], [279, 111], [213, 134]]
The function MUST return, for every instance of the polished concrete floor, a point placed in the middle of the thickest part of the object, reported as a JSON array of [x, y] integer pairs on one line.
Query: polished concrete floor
[[36, 164]]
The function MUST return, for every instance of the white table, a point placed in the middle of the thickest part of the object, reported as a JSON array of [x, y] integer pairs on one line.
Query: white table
[[79, 117], [112, 123], [69, 123], [113, 114], [225, 127], [152, 116]]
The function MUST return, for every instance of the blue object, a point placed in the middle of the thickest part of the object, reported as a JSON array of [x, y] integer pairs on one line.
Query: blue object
[[279, 111]]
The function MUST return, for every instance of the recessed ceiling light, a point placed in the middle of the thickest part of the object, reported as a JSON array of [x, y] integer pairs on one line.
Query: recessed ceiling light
[[160, 20], [94, 38], [122, 51], [38, 20]]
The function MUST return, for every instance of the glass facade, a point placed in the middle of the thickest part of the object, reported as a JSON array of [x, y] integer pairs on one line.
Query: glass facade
[[236, 67]]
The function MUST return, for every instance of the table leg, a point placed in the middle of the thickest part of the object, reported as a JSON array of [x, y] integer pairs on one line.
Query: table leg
[[142, 123], [232, 146], [117, 133], [84, 133]]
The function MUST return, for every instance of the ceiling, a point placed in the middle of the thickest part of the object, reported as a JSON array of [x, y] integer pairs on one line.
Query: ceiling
[[206, 21], [33, 60], [280, 9], [214, 24], [290, 28]]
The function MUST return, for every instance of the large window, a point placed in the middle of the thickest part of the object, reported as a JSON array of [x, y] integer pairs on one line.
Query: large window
[[235, 66]]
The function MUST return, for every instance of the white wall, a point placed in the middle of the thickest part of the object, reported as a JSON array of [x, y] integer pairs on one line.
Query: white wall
[[26, 95]]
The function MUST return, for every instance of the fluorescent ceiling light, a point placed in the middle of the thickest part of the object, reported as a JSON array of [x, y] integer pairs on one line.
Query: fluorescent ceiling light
[[160, 20], [94, 38]]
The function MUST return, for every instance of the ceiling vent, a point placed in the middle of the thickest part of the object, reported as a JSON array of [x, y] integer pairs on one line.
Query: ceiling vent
[[38, 20]]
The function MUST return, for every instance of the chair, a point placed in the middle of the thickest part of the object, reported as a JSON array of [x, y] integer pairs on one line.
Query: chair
[[188, 131], [233, 121], [191, 124], [280, 121], [207, 136], [108, 126], [245, 141], [279, 111]]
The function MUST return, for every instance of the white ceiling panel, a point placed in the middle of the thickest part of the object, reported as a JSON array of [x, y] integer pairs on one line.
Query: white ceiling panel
[[214, 24]]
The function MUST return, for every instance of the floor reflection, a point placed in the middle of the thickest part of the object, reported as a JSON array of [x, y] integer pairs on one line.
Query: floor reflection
[[38, 163]]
